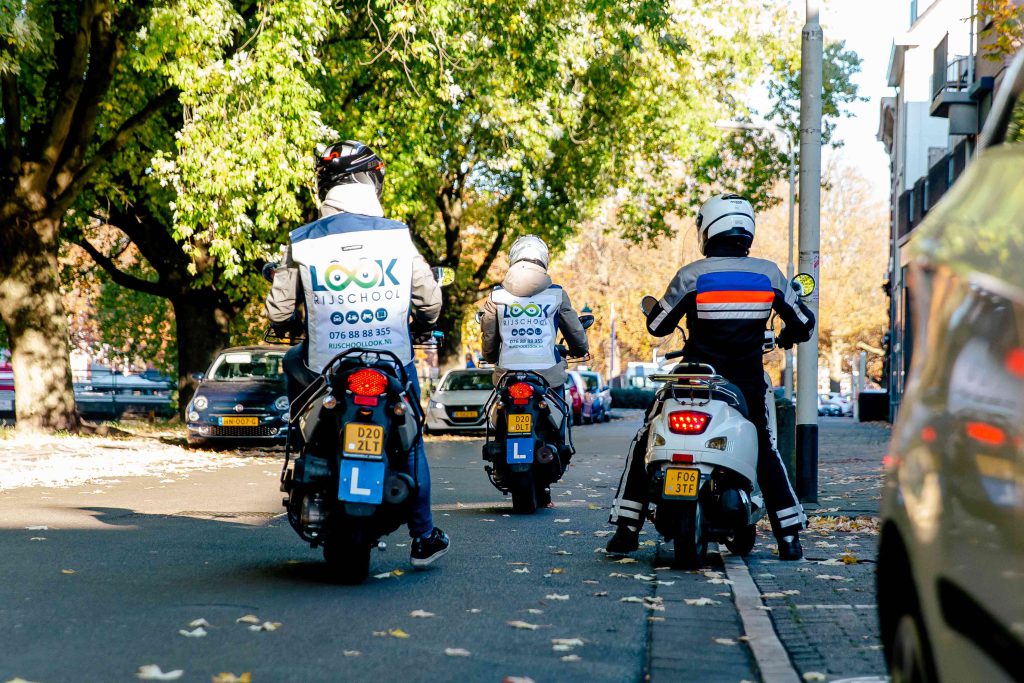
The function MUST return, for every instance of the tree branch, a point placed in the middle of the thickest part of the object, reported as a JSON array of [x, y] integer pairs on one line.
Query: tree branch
[[499, 239], [425, 249], [114, 144], [119, 276]]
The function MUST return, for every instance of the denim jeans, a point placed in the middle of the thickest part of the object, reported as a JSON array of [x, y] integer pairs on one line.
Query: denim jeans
[[421, 522]]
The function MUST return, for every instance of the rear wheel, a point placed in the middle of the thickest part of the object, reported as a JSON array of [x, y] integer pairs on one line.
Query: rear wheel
[[349, 561], [909, 657], [524, 495], [690, 544], [742, 542]]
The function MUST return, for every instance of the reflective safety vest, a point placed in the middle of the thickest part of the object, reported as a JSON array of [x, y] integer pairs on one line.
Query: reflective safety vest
[[527, 326], [357, 280]]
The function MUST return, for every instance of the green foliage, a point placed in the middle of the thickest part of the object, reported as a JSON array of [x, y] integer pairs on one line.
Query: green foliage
[[1004, 27]]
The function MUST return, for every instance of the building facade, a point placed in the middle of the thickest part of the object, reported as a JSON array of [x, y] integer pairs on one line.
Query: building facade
[[944, 88]]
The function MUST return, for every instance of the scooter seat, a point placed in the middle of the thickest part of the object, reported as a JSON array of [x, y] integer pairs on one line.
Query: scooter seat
[[731, 394]]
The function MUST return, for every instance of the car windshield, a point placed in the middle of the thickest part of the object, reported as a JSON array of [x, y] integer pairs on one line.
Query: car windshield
[[249, 365], [592, 381], [468, 381]]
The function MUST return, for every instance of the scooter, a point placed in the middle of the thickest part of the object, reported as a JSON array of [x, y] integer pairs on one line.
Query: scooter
[[702, 458], [525, 446]]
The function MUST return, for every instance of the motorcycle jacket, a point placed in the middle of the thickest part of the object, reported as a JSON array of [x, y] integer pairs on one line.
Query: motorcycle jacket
[[521, 320], [727, 299], [359, 276]]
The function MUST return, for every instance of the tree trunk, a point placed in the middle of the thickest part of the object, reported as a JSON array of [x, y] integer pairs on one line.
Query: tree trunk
[[203, 329], [32, 311], [453, 310]]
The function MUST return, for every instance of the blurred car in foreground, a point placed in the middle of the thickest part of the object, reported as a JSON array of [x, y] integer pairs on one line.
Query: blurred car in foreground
[[575, 395], [241, 399], [458, 402], [601, 397], [951, 555]]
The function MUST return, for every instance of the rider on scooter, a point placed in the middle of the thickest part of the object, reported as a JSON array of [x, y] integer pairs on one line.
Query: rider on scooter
[[350, 178], [527, 282], [727, 298]]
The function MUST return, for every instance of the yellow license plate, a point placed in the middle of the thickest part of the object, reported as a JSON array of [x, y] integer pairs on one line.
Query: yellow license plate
[[363, 439], [520, 424], [681, 483], [240, 422], [466, 413]]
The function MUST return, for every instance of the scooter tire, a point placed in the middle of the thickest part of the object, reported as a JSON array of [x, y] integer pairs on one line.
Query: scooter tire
[[742, 542], [349, 562], [690, 545], [524, 496]]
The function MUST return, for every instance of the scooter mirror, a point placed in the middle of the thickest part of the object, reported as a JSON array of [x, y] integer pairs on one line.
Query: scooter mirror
[[586, 320], [804, 284], [444, 275], [479, 317], [647, 304], [268, 271]]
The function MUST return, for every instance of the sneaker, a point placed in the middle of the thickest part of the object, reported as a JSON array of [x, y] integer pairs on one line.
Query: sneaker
[[625, 540], [789, 548], [428, 548]]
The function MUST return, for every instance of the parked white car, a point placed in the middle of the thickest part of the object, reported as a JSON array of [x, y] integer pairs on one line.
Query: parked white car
[[457, 403]]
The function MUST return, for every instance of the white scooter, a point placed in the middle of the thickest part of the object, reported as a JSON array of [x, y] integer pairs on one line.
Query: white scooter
[[702, 458]]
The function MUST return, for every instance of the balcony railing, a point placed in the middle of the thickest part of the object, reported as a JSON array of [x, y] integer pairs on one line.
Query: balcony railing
[[953, 77]]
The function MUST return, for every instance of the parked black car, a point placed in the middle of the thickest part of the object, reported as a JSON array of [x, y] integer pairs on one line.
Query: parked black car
[[241, 399]]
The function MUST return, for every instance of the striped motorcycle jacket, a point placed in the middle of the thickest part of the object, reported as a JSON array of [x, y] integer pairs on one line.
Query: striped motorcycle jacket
[[727, 301]]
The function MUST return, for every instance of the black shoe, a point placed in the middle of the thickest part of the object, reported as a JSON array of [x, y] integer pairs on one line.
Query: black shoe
[[427, 549], [625, 540], [789, 548]]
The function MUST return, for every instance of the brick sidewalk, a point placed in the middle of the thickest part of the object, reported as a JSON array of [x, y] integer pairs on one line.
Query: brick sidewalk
[[831, 625]]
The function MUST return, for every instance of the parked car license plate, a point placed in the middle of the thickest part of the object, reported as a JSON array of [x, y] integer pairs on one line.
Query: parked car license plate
[[466, 413], [364, 439], [681, 482], [6, 405], [233, 421], [520, 423]]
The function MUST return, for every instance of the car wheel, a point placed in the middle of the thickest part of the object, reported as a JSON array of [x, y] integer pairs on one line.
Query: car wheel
[[909, 654]]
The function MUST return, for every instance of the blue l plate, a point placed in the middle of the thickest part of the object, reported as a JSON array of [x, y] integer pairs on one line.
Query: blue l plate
[[519, 451], [361, 481]]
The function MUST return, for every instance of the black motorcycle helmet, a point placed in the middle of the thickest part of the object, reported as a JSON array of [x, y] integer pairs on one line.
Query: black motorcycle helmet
[[348, 162]]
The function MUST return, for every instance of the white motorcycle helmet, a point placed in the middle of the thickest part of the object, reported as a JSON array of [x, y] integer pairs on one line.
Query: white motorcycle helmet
[[726, 216], [529, 248]]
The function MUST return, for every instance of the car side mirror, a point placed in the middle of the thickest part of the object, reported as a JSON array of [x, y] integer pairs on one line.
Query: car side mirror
[[647, 304], [803, 284], [586, 320], [197, 376], [444, 275]]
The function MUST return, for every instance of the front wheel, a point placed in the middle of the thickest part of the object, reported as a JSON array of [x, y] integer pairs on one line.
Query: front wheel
[[909, 657], [742, 542], [349, 561], [524, 495], [690, 544]]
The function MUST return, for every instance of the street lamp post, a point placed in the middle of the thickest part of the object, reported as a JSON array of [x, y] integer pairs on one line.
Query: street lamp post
[[787, 373]]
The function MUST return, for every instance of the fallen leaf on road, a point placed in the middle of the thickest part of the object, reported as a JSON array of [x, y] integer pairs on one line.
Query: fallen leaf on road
[[602, 533], [664, 583], [626, 560], [534, 610], [744, 639], [420, 614], [265, 626], [766, 609], [41, 527], [456, 652], [557, 570], [351, 653], [524, 570], [397, 633], [518, 564], [831, 562], [228, 677], [67, 571], [380, 634], [591, 581], [562, 521], [702, 602], [556, 596], [725, 641], [248, 619], [655, 618], [648, 544], [152, 672], [523, 625], [643, 577], [791, 591], [196, 623], [815, 676], [830, 577], [38, 538], [562, 552], [774, 595], [600, 594], [849, 558], [18, 680], [389, 575], [571, 658], [826, 544], [619, 575], [726, 582], [198, 632], [517, 679], [474, 610], [567, 532], [566, 642], [591, 506]]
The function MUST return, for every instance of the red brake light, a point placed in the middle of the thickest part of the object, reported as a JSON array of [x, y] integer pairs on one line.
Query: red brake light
[[1015, 362], [688, 422], [682, 457], [985, 433], [520, 390], [367, 382]]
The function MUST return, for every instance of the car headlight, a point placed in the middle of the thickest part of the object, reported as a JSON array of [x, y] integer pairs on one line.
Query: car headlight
[[193, 416], [281, 403], [436, 404], [200, 403]]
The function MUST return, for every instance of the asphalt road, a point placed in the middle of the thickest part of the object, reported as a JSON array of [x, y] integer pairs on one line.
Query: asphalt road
[[125, 565]]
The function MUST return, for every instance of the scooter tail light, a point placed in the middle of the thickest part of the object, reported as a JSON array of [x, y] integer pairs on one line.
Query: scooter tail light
[[688, 422], [682, 457], [367, 382], [520, 390]]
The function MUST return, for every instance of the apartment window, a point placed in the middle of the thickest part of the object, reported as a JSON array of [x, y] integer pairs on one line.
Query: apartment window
[[950, 172], [913, 11]]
